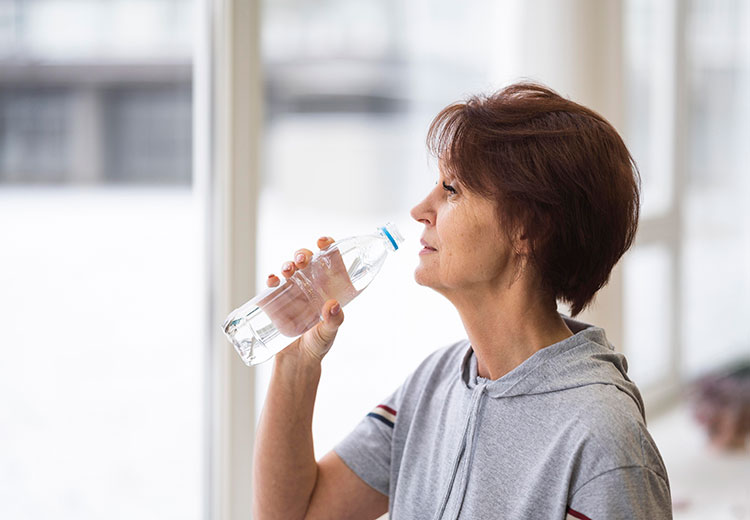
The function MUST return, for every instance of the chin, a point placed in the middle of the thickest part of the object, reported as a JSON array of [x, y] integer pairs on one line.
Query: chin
[[424, 279], [420, 277]]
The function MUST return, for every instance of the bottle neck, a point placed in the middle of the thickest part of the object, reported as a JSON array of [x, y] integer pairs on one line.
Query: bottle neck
[[389, 239]]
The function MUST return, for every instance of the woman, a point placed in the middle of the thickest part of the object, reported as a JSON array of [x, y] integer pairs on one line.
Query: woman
[[533, 416]]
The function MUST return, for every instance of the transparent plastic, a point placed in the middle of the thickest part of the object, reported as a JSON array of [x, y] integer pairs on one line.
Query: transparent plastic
[[273, 319]]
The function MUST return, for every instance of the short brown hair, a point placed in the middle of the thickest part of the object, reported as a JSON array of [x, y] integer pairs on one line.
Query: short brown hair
[[559, 173]]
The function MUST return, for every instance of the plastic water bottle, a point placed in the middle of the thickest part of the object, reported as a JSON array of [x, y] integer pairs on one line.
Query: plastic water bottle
[[276, 317]]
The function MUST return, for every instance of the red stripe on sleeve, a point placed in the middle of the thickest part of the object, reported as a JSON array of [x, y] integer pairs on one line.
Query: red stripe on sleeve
[[572, 512], [387, 409]]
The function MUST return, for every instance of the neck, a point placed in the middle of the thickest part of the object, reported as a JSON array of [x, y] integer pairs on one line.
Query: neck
[[506, 326]]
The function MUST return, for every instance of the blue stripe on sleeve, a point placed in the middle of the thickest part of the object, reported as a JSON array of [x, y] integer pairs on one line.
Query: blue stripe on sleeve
[[381, 419]]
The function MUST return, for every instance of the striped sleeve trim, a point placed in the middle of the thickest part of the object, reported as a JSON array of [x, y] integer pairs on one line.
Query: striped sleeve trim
[[383, 414], [575, 515]]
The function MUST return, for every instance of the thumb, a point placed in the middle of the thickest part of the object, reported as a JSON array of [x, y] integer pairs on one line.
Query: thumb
[[325, 332], [333, 317]]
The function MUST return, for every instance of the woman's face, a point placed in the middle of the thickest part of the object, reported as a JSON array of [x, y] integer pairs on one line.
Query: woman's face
[[464, 245]]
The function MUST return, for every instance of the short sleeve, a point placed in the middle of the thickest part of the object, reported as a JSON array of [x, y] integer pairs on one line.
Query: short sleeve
[[367, 449], [373, 449], [631, 493]]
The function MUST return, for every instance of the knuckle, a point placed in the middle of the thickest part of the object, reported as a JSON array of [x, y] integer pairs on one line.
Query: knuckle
[[319, 338]]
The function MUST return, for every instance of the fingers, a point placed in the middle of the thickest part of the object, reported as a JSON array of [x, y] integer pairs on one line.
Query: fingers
[[302, 259], [287, 269], [324, 242]]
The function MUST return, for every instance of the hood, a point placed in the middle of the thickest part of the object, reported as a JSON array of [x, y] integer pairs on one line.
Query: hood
[[586, 358]]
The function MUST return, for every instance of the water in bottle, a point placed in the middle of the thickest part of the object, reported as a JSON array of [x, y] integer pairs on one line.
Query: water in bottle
[[276, 317]]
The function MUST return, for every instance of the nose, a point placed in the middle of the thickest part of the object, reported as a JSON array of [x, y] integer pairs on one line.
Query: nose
[[423, 212]]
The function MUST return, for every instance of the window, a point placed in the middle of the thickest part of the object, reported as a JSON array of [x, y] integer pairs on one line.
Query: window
[[688, 65], [715, 218], [102, 382]]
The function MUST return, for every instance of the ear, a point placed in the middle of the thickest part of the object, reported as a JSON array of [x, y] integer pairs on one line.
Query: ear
[[521, 258], [521, 243]]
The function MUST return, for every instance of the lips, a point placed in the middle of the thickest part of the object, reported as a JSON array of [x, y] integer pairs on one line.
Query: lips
[[427, 246]]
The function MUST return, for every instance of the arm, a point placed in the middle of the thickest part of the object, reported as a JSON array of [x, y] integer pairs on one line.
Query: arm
[[287, 481], [284, 467]]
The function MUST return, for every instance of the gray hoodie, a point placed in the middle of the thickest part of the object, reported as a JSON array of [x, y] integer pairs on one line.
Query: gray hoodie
[[561, 436]]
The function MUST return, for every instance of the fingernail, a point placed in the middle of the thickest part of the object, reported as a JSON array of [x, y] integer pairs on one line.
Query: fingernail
[[287, 266], [300, 258], [335, 309]]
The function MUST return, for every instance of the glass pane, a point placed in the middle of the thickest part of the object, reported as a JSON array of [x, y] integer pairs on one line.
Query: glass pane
[[102, 382], [649, 59], [648, 313], [716, 277]]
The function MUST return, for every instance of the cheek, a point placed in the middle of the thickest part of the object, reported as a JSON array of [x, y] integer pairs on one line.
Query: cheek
[[480, 261], [459, 267]]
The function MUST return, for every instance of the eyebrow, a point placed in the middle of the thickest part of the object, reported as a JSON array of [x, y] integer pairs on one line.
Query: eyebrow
[[451, 179]]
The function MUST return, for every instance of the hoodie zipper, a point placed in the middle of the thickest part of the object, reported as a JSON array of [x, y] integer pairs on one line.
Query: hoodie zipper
[[470, 425]]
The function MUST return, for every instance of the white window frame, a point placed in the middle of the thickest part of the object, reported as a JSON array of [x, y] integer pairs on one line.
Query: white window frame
[[227, 126]]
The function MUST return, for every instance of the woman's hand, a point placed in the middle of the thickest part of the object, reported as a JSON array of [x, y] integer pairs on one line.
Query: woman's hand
[[316, 342]]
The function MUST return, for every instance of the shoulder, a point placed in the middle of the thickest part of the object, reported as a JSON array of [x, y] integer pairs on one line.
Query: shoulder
[[613, 432], [620, 473]]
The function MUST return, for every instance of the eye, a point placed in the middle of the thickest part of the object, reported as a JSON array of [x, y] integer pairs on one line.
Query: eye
[[449, 188]]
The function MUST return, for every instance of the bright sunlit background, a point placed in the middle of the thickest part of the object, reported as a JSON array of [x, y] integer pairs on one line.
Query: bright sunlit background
[[103, 272]]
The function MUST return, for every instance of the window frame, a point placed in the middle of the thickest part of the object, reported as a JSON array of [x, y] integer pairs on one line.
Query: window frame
[[228, 115]]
